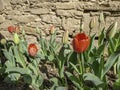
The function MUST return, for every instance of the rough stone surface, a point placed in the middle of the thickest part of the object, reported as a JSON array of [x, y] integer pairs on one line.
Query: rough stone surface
[[50, 19], [1, 5], [40, 11], [64, 14], [2, 19]]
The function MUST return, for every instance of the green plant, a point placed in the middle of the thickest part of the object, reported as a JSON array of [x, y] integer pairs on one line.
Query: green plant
[[20, 66], [85, 67]]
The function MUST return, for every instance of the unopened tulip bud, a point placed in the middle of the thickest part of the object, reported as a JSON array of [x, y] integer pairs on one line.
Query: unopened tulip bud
[[38, 30], [92, 23], [23, 32], [16, 38], [81, 27], [11, 29], [65, 37], [112, 30], [3, 41], [101, 18], [52, 30], [17, 29]]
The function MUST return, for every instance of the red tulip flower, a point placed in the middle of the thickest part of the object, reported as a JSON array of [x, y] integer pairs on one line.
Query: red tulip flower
[[11, 29], [80, 43], [32, 49]]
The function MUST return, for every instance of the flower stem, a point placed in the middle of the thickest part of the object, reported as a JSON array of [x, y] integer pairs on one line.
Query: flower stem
[[80, 63], [83, 64], [81, 67]]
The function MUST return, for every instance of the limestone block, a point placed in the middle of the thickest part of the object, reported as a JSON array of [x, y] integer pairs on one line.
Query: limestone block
[[47, 5], [65, 6], [112, 6], [40, 11], [16, 1], [51, 19], [78, 13], [35, 24], [2, 19], [31, 39], [13, 12], [69, 13], [23, 18], [79, 6], [1, 5], [71, 24], [64, 0], [6, 2], [48, 0]]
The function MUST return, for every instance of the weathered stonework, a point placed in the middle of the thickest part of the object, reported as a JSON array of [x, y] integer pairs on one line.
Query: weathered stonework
[[1, 5], [64, 14]]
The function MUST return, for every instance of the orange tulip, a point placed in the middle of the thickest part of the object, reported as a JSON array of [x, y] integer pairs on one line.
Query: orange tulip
[[17, 28], [80, 43], [52, 29], [32, 49], [11, 29]]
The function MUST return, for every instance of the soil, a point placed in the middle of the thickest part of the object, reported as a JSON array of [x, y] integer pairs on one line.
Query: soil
[[13, 86]]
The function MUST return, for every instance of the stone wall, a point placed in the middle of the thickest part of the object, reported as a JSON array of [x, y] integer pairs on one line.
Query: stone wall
[[64, 14]]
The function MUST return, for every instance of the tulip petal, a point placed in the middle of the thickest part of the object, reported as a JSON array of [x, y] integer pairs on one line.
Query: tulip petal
[[80, 42], [32, 49]]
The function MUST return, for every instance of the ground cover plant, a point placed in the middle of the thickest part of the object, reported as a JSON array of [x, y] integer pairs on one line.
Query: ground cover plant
[[79, 64]]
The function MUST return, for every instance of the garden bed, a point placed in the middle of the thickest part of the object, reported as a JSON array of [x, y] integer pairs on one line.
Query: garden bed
[[65, 65]]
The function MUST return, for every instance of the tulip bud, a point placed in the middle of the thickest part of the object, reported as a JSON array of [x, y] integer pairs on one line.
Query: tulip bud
[[101, 18], [32, 49], [23, 32], [65, 37], [92, 23], [81, 27], [16, 38], [3, 41], [11, 29], [38, 30], [112, 30], [17, 29], [52, 30]]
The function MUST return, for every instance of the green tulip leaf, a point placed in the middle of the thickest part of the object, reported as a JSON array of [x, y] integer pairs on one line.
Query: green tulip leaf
[[91, 77], [51, 57], [74, 80], [10, 57], [101, 37], [55, 81], [18, 70], [110, 62], [33, 68], [75, 68], [60, 88], [91, 43], [27, 79]]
